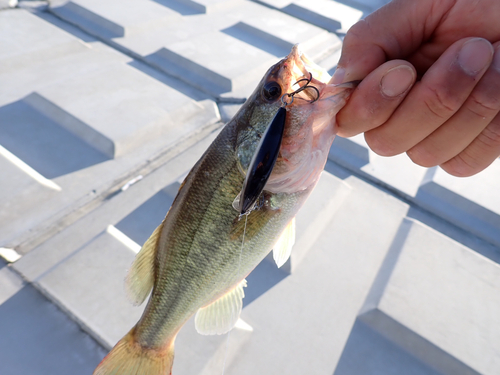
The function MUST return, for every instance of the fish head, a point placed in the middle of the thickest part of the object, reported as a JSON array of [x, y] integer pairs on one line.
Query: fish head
[[310, 124]]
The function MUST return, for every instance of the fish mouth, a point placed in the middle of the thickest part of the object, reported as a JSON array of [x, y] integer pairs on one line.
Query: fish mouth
[[302, 67]]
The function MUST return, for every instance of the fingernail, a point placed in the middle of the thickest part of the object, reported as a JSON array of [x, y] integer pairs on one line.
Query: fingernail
[[475, 55], [338, 76], [396, 81], [496, 59]]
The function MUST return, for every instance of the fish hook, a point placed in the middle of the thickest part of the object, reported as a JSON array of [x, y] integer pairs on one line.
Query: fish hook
[[306, 86]]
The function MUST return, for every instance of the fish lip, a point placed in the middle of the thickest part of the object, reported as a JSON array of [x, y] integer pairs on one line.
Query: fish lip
[[302, 66]]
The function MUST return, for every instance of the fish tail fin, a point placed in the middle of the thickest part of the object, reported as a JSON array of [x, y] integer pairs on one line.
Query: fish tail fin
[[128, 357]]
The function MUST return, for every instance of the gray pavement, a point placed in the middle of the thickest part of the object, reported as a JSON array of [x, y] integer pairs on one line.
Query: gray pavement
[[105, 106], [36, 336]]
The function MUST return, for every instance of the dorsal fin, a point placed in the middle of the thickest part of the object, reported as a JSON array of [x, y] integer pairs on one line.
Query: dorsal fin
[[141, 275], [283, 248], [220, 316]]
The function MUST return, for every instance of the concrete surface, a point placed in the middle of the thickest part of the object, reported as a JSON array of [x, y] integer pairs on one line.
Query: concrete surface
[[106, 107], [37, 337]]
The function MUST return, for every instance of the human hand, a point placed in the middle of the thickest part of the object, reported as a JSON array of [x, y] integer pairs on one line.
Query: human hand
[[449, 116]]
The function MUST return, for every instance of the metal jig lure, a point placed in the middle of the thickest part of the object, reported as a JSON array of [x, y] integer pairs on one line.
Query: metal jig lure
[[265, 156]]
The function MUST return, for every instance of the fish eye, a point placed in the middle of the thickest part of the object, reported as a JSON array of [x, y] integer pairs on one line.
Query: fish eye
[[271, 90]]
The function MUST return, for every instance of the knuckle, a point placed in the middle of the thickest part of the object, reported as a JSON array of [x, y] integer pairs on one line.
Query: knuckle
[[357, 117], [490, 136], [483, 106], [477, 156], [440, 103], [357, 31], [379, 144], [461, 166]]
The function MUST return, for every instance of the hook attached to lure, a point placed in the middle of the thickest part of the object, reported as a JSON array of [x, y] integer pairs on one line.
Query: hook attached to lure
[[306, 86], [264, 159]]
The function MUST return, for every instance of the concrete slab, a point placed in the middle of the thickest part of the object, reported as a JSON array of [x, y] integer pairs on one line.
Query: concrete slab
[[42, 143], [22, 178], [314, 218], [37, 338], [40, 40], [103, 261], [471, 203], [330, 15], [348, 8], [354, 154], [229, 70], [10, 281], [209, 6], [111, 19], [220, 47], [438, 300], [277, 33], [79, 119], [368, 352], [112, 210]]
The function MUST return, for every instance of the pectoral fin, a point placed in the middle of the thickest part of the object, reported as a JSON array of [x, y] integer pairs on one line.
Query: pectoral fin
[[283, 248], [141, 275], [220, 316]]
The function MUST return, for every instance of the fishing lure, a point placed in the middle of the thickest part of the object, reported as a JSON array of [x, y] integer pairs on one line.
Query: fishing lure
[[265, 156]]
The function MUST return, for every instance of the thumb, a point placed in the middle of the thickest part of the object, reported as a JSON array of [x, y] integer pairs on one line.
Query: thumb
[[394, 31]]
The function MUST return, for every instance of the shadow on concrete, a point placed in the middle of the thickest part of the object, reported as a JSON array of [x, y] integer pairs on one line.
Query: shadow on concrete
[[169, 80], [262, 278], [69, 28], [251, 36], [190, 73], [141, 222], [37, 338], [181, 8], [367, 352], [456, 233], [41, 143]]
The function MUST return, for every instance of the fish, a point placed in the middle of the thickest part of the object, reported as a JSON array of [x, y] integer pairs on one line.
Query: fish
[[197, 259]]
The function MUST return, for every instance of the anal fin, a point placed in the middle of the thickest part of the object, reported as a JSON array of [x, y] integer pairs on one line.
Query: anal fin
[[221, 316], [283, 248], [141, 275]]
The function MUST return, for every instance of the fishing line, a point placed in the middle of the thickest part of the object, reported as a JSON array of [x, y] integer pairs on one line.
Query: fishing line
[[239, 266]]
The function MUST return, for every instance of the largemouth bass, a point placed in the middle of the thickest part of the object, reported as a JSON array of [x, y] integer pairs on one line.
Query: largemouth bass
[[197, 259]]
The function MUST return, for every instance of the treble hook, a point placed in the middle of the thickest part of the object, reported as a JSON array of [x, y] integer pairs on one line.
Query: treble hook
[[306, 86]]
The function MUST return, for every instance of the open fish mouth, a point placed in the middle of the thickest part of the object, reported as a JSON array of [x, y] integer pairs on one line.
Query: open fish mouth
[[302, 66], [302, 71]]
